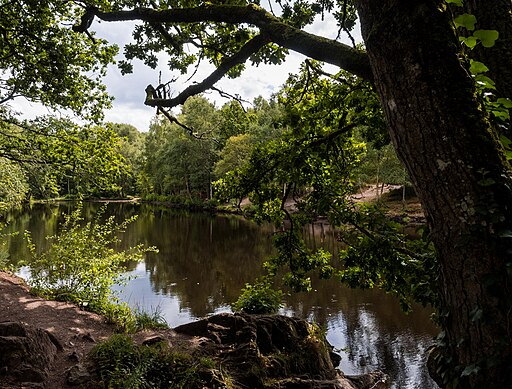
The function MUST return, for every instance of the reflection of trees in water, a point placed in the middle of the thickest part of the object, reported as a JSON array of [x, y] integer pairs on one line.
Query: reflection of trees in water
[[41, 220], [398, 351], [205, 260], [375, 333]]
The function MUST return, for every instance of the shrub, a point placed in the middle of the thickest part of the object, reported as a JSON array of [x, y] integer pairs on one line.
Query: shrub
[[80, 265], [259, 298], [149, 319]]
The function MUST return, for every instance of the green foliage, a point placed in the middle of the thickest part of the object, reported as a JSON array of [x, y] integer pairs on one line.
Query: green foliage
[[61, 158], [42, 59], [378, 254], [458, 3], [468, 21], [149, 319], [317, 162], [487, 37], [131, 179], [181, 163], [465, 20], [122, 364], [93, 161], [176, 162], [234, 154], [497, 107], [81, 265], [380, 166], [13, 183], [259, 298]]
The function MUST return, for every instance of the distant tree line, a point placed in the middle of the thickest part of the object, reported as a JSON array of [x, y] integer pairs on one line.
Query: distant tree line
[[176, 161]]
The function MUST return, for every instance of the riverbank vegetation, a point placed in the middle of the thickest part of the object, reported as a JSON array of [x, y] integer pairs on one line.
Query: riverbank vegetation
[[81, 265], [171, 163]]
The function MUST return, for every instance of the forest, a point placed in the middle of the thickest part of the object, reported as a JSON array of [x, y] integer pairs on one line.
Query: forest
[[180, 163], [423, 101]]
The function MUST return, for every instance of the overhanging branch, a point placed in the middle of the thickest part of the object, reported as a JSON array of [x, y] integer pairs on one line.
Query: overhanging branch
[[312, 46], [251, 47]]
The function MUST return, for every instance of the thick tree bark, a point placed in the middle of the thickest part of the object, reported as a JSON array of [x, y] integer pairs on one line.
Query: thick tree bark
[[445, 141]]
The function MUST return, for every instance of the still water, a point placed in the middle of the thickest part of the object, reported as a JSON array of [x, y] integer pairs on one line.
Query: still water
[[204, 260]]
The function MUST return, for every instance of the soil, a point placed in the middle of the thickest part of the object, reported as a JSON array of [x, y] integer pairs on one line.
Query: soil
[[391, 198], [76, 330]]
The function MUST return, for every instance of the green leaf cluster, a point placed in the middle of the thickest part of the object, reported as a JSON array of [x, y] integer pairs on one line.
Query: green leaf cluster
[[42, 59], [259, 298], [81, 264], [120, 363], [57, 157], [13, 184]]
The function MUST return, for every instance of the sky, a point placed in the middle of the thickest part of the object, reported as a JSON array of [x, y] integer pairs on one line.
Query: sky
[[128, 91]]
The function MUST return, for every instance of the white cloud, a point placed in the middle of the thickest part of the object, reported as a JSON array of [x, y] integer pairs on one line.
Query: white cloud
[[136, 114]]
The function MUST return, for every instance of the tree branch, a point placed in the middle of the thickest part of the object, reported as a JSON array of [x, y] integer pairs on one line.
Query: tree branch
[[251, 47], [313, 46]]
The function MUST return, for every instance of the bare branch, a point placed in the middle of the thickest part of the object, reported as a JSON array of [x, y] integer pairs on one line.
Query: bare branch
[[236, 98], [251, 47], [190, 130], [11, 95]]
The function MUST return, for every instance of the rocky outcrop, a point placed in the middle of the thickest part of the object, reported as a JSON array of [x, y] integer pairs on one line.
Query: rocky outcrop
[[248, 351], [261, 351], [26, 353]]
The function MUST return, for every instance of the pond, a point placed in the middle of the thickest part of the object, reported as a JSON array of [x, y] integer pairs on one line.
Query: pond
[[204, 260]]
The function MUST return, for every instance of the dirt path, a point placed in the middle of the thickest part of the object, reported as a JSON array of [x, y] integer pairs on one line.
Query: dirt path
[[76, 330]]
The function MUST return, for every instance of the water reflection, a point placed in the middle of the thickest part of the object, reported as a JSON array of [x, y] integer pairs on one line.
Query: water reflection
[[205, 260]]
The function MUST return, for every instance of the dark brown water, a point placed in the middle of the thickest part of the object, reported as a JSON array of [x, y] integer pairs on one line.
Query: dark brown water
[[205, 260]]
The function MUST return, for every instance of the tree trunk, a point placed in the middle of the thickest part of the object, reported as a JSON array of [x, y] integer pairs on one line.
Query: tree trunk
[[450, 152]]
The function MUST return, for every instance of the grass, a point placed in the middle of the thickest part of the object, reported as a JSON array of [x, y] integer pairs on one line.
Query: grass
[[152, 319], [120, 363]]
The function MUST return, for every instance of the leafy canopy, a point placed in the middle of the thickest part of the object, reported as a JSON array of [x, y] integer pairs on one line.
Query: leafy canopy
[[44, 60]]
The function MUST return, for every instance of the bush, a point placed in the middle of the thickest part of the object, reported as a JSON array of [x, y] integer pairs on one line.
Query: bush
[[80, 265], [259, 298], [122, 364]]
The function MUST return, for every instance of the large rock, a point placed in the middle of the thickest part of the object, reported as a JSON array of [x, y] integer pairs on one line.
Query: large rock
[[26, 352], [272, 351]]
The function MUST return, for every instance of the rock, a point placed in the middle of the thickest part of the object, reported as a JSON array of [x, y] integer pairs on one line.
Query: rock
[[153, 340], [26, 352], [272, 351], [78, 374], [335, 358], [373, 380], [74, 356]]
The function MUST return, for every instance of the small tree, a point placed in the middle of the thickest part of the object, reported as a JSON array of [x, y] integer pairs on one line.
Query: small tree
[[81, 264]]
